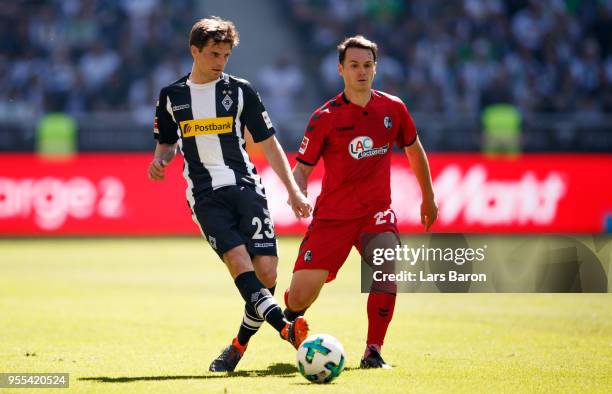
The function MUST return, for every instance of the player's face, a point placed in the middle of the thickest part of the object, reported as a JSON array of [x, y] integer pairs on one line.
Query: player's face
[[358, 69], [211, 60]]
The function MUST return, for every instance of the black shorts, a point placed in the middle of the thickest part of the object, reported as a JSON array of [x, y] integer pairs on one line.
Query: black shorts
[[236, 215]]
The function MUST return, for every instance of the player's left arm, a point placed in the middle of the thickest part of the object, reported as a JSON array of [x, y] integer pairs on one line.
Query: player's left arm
[[420, 167], [258, 123], [278, 161]]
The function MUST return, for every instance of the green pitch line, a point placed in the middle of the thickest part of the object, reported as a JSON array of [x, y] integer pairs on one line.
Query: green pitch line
[[148, 316]]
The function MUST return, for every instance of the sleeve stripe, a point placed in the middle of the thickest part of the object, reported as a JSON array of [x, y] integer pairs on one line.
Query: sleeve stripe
[[410, 143], [304, 162], [169, 109]]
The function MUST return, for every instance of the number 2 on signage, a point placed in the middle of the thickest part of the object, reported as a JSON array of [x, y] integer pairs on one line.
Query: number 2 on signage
[[380, 217], [269, 233]]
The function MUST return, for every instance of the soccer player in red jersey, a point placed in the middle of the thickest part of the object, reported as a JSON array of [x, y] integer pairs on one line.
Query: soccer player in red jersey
[[354, 133]]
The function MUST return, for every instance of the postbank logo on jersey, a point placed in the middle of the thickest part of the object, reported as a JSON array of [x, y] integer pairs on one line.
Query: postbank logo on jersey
[[363, 146], [192, 128]]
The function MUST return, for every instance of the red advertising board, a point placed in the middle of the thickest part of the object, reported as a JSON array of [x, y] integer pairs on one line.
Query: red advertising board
[[109, 194]]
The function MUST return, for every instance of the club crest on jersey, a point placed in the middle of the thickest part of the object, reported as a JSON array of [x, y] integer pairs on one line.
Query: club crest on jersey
[[308, 255], [227, 102], [387, 121], [363, 146]]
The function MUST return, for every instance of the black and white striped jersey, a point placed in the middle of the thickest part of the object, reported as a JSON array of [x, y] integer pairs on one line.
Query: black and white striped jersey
[[208, 120]]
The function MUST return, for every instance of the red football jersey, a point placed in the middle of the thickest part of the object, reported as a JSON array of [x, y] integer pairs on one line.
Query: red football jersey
[[355, 143]]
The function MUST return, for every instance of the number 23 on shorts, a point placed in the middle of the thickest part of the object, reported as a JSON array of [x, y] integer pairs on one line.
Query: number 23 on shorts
[[257, 223]]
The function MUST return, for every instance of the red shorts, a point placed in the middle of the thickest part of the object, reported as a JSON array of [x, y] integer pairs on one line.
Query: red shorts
[[328, 242]]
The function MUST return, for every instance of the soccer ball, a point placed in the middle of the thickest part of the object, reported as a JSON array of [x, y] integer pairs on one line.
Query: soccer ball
[[320, 358]]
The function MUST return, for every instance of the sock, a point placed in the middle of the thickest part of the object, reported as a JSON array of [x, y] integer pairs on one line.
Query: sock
[[380, 313], [250, 322], [242, 348], [367, 351], [289, 314], [254, 293]]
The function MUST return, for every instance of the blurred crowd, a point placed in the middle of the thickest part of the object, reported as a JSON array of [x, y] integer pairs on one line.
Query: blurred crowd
[[83, 55], [439, 56], [458, 56]]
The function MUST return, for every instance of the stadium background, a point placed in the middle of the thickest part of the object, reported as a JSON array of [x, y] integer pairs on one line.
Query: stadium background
[[512, 100], [478, 76]]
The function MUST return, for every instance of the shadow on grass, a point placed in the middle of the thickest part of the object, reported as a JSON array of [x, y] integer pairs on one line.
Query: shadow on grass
[[282, 370], [305, 383]]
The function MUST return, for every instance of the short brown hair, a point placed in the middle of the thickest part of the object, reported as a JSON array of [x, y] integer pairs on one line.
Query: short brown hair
[[213, 28], [356, 42]]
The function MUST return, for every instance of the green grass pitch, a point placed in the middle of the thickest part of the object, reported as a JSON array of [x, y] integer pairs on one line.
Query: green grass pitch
[[148, 316]]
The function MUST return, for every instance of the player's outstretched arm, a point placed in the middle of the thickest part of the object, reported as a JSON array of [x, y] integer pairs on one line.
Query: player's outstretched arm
[[278, 161], [164, 153], [420, 167], [301, 172]]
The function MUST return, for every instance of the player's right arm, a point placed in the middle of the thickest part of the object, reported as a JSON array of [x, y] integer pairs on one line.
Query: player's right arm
[[164, 153], [165, 132], [311, 148], [301, 172]]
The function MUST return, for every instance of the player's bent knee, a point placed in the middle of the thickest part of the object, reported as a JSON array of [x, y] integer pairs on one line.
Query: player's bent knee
[[238, 260], [265, 266], [305, 287], [298, 299], [267, 277]]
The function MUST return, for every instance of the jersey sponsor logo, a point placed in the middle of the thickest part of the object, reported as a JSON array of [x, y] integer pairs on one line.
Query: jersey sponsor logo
[[266, 118], [263, 244], [363, 146], [180, 107], [388, 122], [304, 144], [194, 127]]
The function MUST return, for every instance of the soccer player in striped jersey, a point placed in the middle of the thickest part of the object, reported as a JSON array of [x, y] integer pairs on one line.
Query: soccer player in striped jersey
[[206, 114]]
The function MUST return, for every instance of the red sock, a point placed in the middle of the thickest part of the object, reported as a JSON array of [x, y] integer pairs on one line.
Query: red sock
[[286, 297], [380, 313]]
